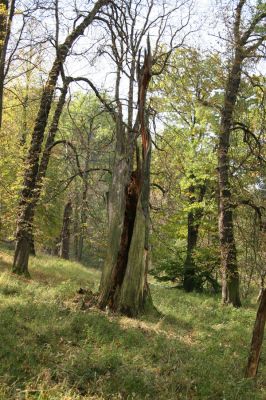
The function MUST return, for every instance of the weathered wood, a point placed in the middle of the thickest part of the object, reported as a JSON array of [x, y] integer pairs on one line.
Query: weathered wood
[[257, 338], [124, 284]]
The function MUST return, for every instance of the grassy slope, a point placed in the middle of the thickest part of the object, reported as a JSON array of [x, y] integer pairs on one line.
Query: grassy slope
[[51, 349]]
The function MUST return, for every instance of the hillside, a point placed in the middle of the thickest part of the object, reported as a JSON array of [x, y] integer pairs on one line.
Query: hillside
[[53, 347]]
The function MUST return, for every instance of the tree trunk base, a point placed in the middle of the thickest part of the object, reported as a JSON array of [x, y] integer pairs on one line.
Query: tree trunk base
[[21, 258]]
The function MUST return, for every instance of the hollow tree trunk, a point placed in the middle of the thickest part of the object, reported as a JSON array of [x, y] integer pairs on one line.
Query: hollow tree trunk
[[230, 275], [123, 284], [113, 271], [65, 232], [135, 295], [27, 201], [257, 338], [193, 220]]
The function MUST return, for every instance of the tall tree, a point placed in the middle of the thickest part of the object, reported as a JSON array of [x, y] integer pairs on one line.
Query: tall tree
[[124, 284], [245, 43], [26, 212]]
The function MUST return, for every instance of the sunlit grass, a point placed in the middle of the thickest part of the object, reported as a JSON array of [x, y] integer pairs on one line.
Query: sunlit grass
[[51, 349]]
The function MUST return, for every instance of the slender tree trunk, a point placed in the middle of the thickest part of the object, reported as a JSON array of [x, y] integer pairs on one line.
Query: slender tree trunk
[[26, 213], [230, 275], [24, 234], [257, 338], [246, 42], [83, 209], [7, 10], [194, 217], [76, 225], [65, 232], [83, 220]]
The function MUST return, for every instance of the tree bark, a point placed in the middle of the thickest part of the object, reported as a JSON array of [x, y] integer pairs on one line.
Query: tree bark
[[24, 234], [27, 201], [65, 232], [135, 295], [230, 275], [257, 338], [245, 45], [124, 284]]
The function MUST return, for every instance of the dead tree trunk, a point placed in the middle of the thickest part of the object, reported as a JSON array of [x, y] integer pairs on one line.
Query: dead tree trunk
[[65, 232], [123, 284], [257, 338], [26, 213]]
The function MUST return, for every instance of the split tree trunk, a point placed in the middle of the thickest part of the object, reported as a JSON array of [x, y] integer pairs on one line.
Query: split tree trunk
[[124, 284], [135, 294], [257, 338], [65, 232], [27, 201]]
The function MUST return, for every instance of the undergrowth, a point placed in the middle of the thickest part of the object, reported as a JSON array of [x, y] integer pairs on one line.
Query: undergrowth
[[52, 349]]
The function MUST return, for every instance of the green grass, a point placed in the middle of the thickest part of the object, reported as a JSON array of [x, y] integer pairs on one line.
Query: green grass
[[51, 349]]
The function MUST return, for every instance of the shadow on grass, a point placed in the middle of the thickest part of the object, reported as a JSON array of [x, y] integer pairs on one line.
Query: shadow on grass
[[195, 349], [85, 351], [89, 352]]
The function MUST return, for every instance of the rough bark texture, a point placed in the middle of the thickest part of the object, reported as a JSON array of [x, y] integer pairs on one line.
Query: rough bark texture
[[135, 292], [26, 213], [245, 41], [257, 338], [116, 212], [24, 235], [65, 232], [230, 284], [124, 285]]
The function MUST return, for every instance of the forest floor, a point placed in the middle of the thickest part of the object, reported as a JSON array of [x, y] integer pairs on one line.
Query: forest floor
[[52, 347]]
